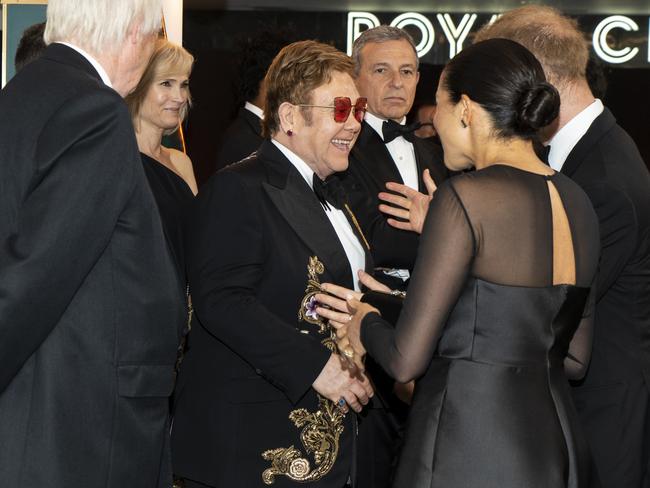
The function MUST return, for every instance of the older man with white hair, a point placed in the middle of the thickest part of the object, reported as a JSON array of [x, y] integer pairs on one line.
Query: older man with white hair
[[90, 302]]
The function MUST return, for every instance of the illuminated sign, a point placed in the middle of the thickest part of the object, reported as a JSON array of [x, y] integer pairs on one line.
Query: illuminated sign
[[616, 39]]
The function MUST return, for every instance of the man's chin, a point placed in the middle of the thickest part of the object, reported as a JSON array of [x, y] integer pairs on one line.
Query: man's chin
[[396, 114]]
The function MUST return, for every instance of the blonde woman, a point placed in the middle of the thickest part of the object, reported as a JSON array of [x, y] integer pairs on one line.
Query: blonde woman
[[158, 106]]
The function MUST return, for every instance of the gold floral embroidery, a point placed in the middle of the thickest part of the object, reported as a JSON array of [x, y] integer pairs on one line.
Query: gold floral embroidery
[[307, 311], [308, 304], [321, 429], [320, 435]]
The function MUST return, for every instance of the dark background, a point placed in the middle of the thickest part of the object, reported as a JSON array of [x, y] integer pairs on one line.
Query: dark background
[[212, 36]]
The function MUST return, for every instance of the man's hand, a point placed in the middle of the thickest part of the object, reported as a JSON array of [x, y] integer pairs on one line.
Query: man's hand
[[337, 381], [412, 205]]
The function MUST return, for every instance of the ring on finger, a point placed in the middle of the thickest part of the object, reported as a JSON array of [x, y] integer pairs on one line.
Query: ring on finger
[[341, 404]]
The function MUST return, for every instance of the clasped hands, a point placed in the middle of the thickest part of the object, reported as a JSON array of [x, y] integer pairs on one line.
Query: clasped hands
[[345, 312]]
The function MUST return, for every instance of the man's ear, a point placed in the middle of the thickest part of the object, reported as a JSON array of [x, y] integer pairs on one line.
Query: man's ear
[[133, 34], [287, 113]]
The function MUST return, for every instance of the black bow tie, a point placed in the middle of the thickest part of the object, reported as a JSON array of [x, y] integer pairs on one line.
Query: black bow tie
[[329, 192], [391, 129]]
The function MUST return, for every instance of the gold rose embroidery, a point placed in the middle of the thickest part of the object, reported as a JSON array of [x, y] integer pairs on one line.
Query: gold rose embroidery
[[320, 435]]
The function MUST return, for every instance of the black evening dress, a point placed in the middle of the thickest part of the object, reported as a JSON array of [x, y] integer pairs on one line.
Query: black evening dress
[[490, 336], [173, 197]]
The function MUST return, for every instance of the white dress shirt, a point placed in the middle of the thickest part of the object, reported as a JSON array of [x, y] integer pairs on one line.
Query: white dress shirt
[[568, 136], [255, 109], [401, 151], [98, 67], [351, 245]]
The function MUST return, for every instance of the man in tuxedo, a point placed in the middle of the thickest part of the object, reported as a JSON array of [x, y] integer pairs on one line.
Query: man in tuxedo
[[244, 135], [262, 393], [587, 145], [386, 73], [90, 303]]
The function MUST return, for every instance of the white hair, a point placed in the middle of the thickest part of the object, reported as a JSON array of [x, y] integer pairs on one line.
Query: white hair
[[100, 25]]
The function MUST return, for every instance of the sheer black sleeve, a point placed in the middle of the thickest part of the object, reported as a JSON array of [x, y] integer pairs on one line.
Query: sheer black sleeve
[[444, 259]]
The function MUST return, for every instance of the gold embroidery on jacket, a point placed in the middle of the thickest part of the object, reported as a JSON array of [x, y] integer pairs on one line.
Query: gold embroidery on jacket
[[308, 304], [321, 429], [307, 311], [319, 436]]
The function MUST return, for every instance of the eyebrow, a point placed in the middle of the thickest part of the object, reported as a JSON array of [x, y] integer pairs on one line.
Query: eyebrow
[[382, 64]]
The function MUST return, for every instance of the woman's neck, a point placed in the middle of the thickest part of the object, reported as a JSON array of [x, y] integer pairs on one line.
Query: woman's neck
[[518, 153], [149, 140]]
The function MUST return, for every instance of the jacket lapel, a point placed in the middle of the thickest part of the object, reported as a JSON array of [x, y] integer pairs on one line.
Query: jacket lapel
[[296, 202], [600, 126], [427, 156], [371, 150], [358, 232]]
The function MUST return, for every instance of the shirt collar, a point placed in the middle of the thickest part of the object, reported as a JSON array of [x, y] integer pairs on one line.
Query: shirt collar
[[568, 136], [255, 109], [98, 67], [377, 122], [303, 168]]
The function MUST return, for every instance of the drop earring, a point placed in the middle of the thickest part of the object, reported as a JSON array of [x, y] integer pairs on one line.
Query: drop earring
[[463, 123]]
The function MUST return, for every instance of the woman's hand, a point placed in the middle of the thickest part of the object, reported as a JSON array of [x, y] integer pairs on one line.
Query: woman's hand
[[341, 316], [348, 335], [412, 205]]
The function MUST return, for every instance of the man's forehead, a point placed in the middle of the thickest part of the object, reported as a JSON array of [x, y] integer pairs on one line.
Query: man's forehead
[[381, 52]]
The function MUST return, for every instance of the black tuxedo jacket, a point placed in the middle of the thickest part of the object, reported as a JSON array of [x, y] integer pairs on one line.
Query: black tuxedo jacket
[[90, 302], [613, 398], [252, 361], [242, 137], [371, 167]]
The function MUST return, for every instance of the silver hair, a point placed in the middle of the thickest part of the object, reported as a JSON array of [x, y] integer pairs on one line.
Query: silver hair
[[100, 25], [382, 33]]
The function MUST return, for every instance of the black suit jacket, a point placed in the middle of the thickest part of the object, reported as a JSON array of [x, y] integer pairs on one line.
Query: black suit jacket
[[252, 362], [90, 302], [613, 398], [371, 167], [242, 137]]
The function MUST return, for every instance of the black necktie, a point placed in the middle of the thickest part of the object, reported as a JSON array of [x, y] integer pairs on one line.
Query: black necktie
[[391, 129], [328, 192]]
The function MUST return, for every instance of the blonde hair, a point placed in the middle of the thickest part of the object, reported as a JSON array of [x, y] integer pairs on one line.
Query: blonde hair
[[168, 59], [100, 25], [296, 71], [555, 40]]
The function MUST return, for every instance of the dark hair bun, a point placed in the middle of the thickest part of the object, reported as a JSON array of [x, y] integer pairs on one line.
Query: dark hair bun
[[537, 107]]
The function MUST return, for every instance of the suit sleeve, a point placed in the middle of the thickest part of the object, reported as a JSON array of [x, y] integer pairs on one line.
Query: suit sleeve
[[390, 247], [84, 159], [226, 265], [617, 220]]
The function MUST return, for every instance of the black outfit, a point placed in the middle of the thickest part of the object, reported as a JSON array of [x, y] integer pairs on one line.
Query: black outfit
[[493, 336], [174, 199], [614, 399], [90, 303], [242, 137], [371, 167], [252, 361]]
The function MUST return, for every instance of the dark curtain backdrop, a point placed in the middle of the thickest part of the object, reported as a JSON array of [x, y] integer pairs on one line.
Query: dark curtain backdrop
[[211, 36]]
